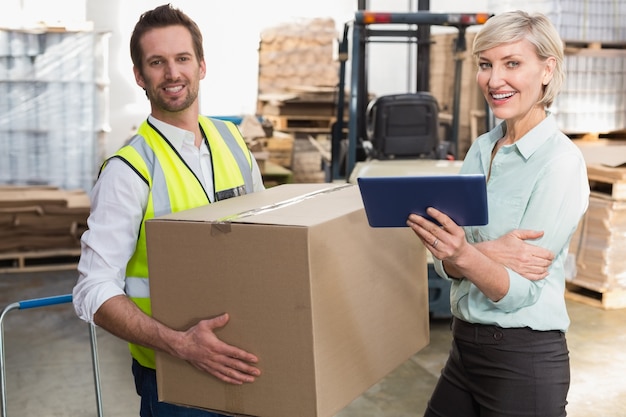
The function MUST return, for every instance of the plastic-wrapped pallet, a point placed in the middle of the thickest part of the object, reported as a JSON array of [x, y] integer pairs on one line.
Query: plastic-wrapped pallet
[[593, 96], [52, 91], [576, 20]]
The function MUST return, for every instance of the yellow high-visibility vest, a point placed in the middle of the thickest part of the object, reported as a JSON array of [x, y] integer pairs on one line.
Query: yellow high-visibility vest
[[174, 187]]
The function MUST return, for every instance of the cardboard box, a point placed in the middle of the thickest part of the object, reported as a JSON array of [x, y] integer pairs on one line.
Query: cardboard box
[[329, 305]]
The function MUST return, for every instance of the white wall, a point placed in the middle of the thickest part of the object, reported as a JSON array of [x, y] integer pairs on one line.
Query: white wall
[[231, 31]]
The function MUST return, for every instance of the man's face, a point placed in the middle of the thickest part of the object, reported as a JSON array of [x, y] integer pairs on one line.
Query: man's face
[[171, 72]]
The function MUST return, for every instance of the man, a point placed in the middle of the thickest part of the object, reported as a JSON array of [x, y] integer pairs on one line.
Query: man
[[177, 160]]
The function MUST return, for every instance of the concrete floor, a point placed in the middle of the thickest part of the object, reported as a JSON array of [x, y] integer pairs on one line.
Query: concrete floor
[[49, 366]]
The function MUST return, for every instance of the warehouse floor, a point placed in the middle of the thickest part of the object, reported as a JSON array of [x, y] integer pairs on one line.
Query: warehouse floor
[[48, 362]]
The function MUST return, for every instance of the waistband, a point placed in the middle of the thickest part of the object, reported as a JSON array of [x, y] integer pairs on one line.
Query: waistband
[[495, 335]]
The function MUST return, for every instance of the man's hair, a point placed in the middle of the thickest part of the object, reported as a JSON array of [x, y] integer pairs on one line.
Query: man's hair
[[516, 25], [160, 17]]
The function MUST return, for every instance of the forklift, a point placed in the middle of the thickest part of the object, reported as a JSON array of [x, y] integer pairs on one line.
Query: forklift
[[398, 134], [398, 126]]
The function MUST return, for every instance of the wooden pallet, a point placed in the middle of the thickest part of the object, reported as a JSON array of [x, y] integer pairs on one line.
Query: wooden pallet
[[607, 181], [37, 261], [594, 45], [591, 137], [302, 124], [607, 300]]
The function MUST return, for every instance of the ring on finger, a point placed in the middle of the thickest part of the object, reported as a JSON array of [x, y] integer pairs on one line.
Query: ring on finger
[[434, 245]]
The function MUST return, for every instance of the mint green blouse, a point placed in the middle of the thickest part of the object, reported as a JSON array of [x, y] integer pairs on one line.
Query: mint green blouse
[[538, 183]]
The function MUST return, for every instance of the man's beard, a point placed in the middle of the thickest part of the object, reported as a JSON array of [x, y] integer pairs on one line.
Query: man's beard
[[174, 107]]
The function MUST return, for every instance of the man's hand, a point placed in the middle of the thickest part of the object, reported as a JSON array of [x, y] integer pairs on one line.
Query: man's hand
[[204, 350], [198, 345]]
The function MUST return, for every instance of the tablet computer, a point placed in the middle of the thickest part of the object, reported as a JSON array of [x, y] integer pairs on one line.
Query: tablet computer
[[389, 201]]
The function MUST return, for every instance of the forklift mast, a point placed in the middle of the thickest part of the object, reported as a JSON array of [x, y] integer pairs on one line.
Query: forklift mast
[[363, 32]]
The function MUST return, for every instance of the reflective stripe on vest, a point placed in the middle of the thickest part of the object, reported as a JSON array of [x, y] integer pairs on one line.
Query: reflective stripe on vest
[[243, 159], [174, 187], [137, 287]]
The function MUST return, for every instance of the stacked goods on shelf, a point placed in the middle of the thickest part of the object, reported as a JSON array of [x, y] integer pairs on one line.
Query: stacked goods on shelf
[[280, 148], [273, 150], [598, 245], [298, 75], [309, 159], [53, 99], [40, 224]]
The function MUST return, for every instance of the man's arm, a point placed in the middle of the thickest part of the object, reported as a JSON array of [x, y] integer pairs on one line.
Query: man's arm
[[197, 345]]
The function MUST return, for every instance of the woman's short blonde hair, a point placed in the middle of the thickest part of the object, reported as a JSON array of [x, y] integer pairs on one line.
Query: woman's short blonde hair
[[516, 25]]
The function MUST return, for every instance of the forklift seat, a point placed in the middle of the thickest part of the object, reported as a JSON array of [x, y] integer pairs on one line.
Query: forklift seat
[[403, 126]]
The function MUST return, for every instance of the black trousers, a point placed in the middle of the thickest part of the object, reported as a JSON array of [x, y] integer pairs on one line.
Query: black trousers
[[496, 372], [146, 386]]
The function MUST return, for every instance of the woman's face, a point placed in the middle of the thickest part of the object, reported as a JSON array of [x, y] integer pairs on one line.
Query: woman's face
[[512, 78]]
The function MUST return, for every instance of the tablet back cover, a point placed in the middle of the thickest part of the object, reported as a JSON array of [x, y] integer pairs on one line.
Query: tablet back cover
[[388, 201]]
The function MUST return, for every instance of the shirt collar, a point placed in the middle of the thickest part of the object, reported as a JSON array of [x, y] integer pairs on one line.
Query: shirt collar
[[530, 142], [537, 136], [176, 136]]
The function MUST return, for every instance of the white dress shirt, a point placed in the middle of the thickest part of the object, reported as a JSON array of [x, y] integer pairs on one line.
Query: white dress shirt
[[118, 202]]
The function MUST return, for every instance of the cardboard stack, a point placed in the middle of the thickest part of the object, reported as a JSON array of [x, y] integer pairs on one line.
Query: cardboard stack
[[41, 218], [600, 261], [279, 146], [599, 242], [328, 304]]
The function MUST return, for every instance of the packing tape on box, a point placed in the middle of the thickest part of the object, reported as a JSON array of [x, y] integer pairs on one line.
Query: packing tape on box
[[224, 221]]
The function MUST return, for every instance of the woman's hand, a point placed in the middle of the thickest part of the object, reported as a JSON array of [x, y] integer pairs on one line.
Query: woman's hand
[[446, 240], [513, 251]]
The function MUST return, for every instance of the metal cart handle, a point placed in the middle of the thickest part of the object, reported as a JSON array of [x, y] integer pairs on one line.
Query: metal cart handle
[[45, 302]]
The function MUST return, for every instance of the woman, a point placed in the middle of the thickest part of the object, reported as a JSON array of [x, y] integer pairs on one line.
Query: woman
[[509, 355]]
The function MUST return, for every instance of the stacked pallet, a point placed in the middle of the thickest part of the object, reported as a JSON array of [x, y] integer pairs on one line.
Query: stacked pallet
[[40, 227], [298, 75], [598, 245], [300, 110]]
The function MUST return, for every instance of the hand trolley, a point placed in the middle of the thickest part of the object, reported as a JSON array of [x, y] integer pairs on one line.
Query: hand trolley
[[44, 302]]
